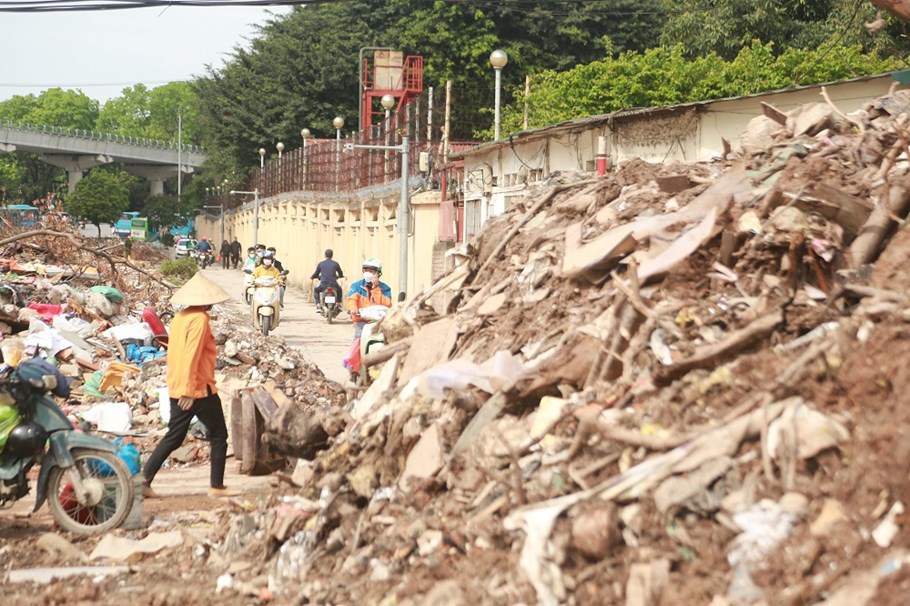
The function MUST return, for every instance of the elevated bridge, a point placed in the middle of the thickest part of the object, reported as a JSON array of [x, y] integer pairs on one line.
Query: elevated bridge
[[77, 151]]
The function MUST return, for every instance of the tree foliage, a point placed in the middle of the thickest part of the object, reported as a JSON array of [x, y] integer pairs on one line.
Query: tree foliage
[[726, 26], [167, 211], [665, 76], [98, 198]]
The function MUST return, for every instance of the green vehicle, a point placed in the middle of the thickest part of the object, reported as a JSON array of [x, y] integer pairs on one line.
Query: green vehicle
[[139, 228]]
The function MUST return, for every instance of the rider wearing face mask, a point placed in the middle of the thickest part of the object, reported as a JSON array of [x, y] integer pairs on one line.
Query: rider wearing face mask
[[252, 259], [366, 292], [267, 267]]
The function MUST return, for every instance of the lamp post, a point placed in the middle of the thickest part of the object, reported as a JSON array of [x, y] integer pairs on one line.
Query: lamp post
[[255, 194], [261, 157], [338, 123], [280, 148], [387, 102], [304, 134], [498, 59], [404, 220]]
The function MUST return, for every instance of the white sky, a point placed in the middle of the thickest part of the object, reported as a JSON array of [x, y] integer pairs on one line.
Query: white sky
[[103, 52]]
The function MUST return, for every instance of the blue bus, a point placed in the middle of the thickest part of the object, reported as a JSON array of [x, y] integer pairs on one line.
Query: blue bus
[[124, 225], [19, 215]]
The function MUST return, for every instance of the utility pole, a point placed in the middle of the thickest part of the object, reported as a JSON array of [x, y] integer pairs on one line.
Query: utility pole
[[179, 152], [404, 219]]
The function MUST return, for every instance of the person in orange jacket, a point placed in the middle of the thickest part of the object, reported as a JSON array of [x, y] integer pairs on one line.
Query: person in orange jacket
[[367, 292]]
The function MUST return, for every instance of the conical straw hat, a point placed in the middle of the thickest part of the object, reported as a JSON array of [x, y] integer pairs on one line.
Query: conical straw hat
[[199, 291]]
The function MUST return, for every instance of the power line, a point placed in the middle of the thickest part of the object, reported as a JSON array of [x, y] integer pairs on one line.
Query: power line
[[39, 6]]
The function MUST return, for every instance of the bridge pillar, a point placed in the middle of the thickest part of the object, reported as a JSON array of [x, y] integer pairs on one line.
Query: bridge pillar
[[155, 173], [7, 148], [75, 166]]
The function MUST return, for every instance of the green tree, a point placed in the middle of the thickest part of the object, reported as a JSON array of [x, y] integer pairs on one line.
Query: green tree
[[665, 76], [127, 115], [167, 211], [98, 198], [726, 26]]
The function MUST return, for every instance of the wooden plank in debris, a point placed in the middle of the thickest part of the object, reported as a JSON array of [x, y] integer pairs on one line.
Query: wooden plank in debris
[[673, 184], [237, 426], [775, 114], [847, 210], [279, 396], [265, 404], [249, 437], [430, 347], [593, 260]]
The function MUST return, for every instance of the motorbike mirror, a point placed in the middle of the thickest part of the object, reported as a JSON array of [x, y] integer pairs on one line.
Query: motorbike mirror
[[285, 272]]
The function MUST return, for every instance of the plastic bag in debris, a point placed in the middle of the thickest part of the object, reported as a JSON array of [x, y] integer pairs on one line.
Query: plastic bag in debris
[[138, 331], [134, 353], [47, 342], [73, 324], [352, 360], [457, 374], [764, 526], [112, 294], [92, 387], [47, 311], [111, 417], [374, 313]]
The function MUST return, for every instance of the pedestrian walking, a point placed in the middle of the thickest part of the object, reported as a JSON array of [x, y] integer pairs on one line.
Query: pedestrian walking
[[191, 383], [225, 254], [236, 251]]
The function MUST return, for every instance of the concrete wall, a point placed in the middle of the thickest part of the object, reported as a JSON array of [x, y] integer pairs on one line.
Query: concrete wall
[[355, 228]]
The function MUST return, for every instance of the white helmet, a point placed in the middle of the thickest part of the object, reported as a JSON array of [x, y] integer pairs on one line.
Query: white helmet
[[373, 263]]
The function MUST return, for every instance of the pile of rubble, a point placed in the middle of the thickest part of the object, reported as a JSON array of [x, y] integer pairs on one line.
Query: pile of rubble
[[675, 384], [80, 304]]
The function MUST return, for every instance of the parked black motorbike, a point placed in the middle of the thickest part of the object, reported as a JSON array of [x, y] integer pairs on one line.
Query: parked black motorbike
[[87, 486]]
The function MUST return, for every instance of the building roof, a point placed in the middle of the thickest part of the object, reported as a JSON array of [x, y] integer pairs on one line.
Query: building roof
[[596, 120]]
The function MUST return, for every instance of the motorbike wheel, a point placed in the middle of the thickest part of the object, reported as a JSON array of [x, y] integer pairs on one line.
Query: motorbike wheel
[[329, 313], [110, 488], [266, 325]]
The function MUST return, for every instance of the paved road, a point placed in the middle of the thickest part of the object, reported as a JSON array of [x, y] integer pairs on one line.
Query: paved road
[[323, 344]]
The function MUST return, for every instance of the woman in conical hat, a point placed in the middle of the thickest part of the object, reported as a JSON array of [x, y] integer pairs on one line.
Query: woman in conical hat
[[199, 291], [191, 382]]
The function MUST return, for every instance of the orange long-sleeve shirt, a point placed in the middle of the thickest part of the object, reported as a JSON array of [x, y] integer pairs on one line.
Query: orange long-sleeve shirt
[[191, 355]]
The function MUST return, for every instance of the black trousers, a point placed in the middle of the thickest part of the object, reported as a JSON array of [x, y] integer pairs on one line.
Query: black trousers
[[209, 411], [225, 260]]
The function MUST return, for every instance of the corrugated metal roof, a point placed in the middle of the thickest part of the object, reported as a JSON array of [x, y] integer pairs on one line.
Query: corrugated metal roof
[[588, 121]]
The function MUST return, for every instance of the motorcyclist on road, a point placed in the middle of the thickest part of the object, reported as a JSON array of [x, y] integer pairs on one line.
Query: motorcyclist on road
[[367, 292], [204, 246], [275, 262], [327, 272], [267, 268], [252, 260]]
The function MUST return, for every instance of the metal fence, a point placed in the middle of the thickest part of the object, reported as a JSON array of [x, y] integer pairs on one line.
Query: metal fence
[[323, 165]]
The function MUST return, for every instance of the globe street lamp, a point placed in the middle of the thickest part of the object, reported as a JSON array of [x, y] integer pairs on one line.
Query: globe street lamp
[[338, 123], [305, 134], [280, 148], [261, 157], [498, 59]]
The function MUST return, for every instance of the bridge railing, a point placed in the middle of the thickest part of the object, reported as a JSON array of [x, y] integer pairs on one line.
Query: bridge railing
[[96, 136]]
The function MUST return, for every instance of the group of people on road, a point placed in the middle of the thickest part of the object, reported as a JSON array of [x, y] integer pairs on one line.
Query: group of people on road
[[262, 261]]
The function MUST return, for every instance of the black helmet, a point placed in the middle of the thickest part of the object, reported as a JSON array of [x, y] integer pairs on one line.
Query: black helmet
[[26, 440], [328, 253]]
